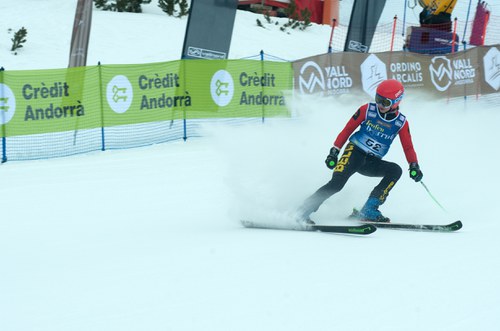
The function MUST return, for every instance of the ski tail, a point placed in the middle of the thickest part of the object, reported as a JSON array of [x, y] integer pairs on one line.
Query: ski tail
[[348, 229], [363, 229]]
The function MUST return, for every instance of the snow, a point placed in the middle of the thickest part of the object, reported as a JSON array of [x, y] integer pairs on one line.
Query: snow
[[149, 238]]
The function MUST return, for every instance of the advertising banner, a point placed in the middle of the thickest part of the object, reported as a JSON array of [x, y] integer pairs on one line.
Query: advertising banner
[[244, 87], [364, 19], [195, 89], [209, 29], [490, 63], [472, 72], [45, 101]]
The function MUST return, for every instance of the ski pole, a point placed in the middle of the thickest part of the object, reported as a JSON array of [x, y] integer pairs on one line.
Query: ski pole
[[433, 198]]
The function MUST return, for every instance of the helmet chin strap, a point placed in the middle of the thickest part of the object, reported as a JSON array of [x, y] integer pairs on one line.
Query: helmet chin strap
[[383, 110], [389, 112]]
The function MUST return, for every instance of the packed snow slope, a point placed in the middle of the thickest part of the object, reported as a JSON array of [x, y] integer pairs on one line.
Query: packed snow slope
[[150, 239]]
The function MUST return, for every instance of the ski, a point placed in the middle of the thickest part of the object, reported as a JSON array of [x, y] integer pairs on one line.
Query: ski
[[363, 229], [409, 226], [418, 227]]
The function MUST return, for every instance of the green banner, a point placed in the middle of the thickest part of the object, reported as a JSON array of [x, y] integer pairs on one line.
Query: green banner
[[194, 89], [45, 101]]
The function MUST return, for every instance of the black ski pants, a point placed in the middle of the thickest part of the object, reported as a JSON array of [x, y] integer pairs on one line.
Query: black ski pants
[[356, 160]]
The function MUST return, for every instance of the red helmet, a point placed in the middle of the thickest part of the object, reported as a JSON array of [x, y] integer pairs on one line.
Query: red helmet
[[389, 94]]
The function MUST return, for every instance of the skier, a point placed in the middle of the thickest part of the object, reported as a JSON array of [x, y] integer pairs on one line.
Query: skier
[[379, 123]]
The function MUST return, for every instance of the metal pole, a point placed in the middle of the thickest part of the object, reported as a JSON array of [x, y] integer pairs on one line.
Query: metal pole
[[433, 198], [4, 139]]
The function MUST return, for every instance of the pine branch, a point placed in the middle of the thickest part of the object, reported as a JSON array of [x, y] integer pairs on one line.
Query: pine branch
[[19, 39]]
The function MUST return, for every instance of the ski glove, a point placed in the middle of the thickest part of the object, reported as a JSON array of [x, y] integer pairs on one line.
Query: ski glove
[[415, 172], [332, 158]]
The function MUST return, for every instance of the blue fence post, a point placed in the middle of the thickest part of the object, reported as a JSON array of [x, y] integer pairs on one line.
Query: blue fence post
[[184, 137], [184, 125], [262, 72], [4, 139], [4, 150], [103, 141], [184, 120]]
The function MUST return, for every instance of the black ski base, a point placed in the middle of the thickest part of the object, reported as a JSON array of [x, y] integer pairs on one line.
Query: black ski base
[[363, 229]]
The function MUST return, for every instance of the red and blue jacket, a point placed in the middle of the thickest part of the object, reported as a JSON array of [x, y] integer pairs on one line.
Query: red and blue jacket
[[376, 132]]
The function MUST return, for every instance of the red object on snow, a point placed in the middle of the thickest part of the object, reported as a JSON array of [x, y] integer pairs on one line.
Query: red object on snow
[[479, 24], [314, 6]]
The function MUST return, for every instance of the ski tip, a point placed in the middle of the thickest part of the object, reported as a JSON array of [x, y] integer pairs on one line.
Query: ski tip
[[456, 225], [368, 228], [246, 223]]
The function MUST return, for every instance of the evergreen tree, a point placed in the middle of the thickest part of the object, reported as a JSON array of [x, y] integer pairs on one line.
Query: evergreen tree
[[305, 14], [167, 6], [291, 11], [131, 6], [295, 17], [267, 16], [183, 8], [19, 39], [100, 3]]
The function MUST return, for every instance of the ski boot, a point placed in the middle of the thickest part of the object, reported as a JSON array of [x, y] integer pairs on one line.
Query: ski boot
[[309, 221], [370, 212], [303, 217]]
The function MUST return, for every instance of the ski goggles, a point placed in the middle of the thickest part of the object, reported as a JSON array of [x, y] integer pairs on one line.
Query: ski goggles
[[386, 102]]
